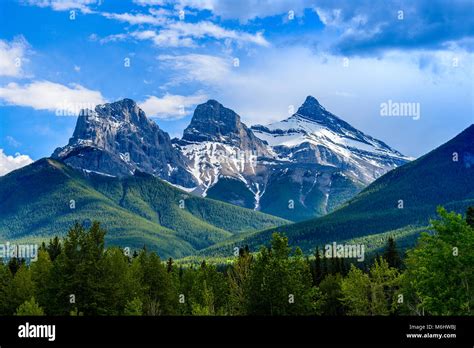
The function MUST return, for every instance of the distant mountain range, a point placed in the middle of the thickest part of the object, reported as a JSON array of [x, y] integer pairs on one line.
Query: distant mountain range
[[400, 203], [121, 169], [302, 167]]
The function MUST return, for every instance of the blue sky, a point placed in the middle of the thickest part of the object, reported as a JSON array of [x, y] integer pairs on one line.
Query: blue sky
[[261, 58]]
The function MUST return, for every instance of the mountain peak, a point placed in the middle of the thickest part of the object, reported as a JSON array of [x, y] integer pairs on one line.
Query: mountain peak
[[215, 123], [212, 121], [118, 139], [125, 109], [212, 102], [311, 101], [125, 103], [312, 109]]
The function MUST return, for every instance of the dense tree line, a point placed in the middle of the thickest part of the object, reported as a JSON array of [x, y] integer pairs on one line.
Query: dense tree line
[[79, 276]]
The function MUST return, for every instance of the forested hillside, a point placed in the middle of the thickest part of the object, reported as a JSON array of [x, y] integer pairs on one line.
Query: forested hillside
[[78, 276]]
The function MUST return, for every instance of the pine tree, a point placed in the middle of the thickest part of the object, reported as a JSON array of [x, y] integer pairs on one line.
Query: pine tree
[[29, 308], [325, 268], [281, 282], [5, 280], [169, 265], [20, 289], [14, 264], [78, 272], [391, 254], [330, 288], [318, 272], [159, 290], [470, 216], [41, 276], [120, 283], [134, 307], [239, 276], [54, 248]]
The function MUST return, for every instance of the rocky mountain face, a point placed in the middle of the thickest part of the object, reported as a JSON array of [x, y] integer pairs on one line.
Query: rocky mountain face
[[313, 135], [219, 146], [298, 168], [301, 167], [117, 139]]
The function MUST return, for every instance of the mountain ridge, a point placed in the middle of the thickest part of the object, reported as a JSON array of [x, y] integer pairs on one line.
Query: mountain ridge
[[298, 168]]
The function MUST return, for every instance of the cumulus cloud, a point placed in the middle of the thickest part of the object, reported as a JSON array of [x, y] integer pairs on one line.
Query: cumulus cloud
[[185, 34], [208, 29], [46, 95], [63, 5], [367, 27], [163, 38], [362, 27], [203, 68], [245, 10], [10, 163], [170, 106], [13, 56], [263, 90], [136, 18]]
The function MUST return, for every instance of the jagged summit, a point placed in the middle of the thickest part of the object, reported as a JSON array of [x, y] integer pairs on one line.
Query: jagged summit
[[314, 134], [118, 139], [213, 122], [311, 102], [313, 110]]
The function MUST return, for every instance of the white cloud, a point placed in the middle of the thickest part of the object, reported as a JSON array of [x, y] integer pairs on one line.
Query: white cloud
[[135, 19], [170, 106], [13, 56], [148, 2], [245, 10], [203, 68], [63, 5], [185, 34], [164, 38], [209, 29], [10, 163], [261, 90], [46, 95]]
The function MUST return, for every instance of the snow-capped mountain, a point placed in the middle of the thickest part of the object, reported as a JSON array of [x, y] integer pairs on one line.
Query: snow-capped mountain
[[314, 135], [117, 139], [218, 145], [298, 168]]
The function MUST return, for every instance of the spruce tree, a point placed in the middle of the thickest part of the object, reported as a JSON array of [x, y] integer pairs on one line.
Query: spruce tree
[[5, 280], [391, 254], [318, 272], [470, 216], [54, 248], [169, 265]]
